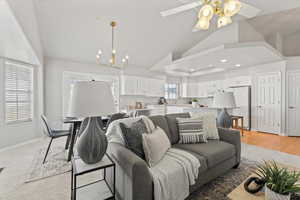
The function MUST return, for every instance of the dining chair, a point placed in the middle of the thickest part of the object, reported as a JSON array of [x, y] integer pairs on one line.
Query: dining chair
[[54, 134]]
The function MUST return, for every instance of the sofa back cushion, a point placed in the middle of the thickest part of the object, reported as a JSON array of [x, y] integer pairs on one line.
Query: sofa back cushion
[[161, 121], [173, 127]]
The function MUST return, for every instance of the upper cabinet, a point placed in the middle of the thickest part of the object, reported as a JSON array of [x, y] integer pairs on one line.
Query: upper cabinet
[[239, 81], [141, 86], [209, 88]]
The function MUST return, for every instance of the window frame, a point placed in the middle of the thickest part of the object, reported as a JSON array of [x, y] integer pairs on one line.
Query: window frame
[[31, 92], [167, 92]]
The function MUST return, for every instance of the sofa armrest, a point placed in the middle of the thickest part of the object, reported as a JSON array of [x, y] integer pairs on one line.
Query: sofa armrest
[[233, 137], [139, 184]]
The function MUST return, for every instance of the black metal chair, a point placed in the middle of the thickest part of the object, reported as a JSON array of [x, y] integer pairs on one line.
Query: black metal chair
[[54, 134]]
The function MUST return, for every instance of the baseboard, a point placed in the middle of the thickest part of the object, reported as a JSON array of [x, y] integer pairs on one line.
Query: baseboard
[[20, 144]]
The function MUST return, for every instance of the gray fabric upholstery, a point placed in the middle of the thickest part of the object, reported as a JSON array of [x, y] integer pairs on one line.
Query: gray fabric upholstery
[[172, 123], [213, 173], [135, 169], [216, 157], [161, 121], [232, 137], [214, 151]]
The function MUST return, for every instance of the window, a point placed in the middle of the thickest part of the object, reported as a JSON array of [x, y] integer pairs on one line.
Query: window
[[18, 93], [171, 91]]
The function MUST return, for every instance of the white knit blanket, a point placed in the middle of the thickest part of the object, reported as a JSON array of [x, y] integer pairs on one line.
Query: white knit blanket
[[173, 175]]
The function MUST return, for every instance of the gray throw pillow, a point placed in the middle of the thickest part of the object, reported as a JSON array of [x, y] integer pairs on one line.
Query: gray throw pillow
[[133, 137], [191, 131]]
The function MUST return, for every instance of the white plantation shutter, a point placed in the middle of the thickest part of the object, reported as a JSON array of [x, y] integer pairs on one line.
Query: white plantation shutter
[[18, 93]]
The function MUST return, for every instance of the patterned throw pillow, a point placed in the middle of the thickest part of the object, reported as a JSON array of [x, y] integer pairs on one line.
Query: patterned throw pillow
[[191, 131], [133, 137]]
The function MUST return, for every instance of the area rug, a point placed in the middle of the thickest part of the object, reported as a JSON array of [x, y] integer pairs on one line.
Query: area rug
[[56, 164], [219, 188]]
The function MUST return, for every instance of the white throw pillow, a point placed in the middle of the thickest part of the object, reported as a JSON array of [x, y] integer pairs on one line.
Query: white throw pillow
[[155, 145], [209, 124]]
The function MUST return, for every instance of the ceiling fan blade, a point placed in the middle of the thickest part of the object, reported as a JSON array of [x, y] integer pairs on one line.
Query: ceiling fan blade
[[181, 9], [249, 11]]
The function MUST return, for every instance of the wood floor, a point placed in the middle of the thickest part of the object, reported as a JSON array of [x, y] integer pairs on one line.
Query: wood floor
[[290, 145]]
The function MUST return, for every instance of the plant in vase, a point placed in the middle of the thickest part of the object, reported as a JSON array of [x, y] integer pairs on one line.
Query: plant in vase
[[280, 183], [194, 103]]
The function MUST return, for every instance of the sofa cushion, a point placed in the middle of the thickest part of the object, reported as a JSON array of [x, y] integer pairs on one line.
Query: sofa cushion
[[161, 121], [172, 123], [214, 151], [202, 159]]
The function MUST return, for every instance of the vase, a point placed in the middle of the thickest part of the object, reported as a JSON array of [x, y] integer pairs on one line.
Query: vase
[[194, 104], [92, 142], [224, 119], [270, 195]]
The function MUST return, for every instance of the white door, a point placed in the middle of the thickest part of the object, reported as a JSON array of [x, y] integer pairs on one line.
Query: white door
[[269, 103], [293, 104]]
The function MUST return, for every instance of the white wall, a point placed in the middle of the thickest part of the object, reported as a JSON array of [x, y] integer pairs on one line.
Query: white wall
[[25, 13], [54, 69]]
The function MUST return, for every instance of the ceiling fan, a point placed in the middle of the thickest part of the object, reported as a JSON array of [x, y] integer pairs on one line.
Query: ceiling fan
[[223, 9]]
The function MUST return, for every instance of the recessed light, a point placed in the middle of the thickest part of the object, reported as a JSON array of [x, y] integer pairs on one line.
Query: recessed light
[[191, 70], [238, 65], [223, 60]]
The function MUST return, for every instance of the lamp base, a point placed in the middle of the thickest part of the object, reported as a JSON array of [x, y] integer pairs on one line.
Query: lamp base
[[224, 119], [92, 143]]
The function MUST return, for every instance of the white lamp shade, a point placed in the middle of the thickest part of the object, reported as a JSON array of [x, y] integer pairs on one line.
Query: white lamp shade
[[91, 99], [224, 100]]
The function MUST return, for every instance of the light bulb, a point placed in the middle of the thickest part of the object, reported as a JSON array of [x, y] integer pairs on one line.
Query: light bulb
[[123, 60], [206, 11], [98, 56], [203, 23], [111, 61], [232, 7], [99, 52], [114, 51], [127, 57], [223, 21]]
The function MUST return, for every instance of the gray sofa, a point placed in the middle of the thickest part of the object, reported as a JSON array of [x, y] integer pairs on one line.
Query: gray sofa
[[216, 157]]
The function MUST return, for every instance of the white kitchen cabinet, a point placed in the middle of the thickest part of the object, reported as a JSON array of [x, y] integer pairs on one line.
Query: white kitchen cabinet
[[239, 81], [129, 85], [193, 90], [156, 88], [141, 86]]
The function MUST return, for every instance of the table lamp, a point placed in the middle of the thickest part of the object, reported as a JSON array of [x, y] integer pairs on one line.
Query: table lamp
[[224, 100], [90, 100]]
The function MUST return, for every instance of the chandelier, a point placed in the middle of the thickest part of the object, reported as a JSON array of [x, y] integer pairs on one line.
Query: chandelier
[[113, 56], [223, 10]]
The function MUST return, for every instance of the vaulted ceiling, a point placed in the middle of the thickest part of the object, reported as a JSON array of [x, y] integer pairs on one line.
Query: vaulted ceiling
[[75, 30]]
